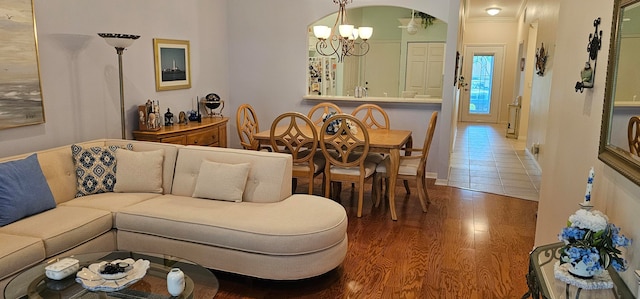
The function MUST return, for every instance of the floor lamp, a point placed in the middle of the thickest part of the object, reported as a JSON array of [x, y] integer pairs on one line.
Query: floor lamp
[[120, 42]]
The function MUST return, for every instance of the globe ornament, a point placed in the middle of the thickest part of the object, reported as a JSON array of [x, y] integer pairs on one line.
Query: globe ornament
[[212, 102]]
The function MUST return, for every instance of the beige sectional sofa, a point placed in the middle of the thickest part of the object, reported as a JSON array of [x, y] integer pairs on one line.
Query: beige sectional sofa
[[270, 234]]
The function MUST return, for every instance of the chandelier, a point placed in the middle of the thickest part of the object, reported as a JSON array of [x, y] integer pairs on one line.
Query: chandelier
[[341, 39]]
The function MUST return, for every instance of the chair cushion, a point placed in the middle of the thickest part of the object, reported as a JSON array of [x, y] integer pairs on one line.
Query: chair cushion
[[318, 163], [407, 166], [23, 190], [369, 169], [139, 171], [62, 228], [376, 158]]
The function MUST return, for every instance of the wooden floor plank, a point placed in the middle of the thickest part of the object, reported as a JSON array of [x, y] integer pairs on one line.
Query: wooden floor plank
[[468, 245]]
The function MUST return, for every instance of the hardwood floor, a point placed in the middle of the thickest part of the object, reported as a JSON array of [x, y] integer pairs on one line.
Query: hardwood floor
[[468, 245]]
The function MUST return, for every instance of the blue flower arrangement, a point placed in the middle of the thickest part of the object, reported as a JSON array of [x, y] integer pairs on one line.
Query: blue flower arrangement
[[334, 125], [590, 238]]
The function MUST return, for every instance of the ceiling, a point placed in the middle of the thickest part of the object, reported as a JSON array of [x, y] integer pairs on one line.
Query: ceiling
[[476, 9]]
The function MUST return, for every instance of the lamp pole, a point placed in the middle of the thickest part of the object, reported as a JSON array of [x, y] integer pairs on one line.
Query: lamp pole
[[120, 50], [120, 42]]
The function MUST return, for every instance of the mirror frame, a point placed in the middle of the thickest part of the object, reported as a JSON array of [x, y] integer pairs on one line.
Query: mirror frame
[[618, 159]]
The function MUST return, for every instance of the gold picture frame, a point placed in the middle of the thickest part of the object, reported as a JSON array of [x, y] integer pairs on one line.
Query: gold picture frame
[[21, 102], [172, 64]]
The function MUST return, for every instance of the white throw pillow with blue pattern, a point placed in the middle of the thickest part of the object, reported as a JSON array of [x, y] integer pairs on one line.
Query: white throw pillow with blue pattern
[[95, 168]]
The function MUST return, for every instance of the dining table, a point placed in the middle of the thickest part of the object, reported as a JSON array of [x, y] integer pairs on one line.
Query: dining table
[[385, 141]]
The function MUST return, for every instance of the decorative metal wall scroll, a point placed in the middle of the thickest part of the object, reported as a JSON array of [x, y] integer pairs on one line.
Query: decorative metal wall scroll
[[588, 73], [541, 60]]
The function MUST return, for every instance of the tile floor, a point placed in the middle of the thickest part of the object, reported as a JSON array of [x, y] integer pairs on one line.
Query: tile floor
[[485, 160]]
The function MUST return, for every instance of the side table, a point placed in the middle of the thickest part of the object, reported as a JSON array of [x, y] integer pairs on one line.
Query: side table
[[212, 131], [543, 284]]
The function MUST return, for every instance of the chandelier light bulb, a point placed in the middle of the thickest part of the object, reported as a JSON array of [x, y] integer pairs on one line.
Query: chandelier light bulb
[[354, 34], [365, 32], [345, 30], [321, 32]]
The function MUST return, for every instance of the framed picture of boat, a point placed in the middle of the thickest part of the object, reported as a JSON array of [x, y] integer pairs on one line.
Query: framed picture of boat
[[172, 63], [20, 90]]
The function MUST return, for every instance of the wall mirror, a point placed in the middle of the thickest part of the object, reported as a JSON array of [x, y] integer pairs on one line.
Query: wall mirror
[[622, 93], [400, 62]]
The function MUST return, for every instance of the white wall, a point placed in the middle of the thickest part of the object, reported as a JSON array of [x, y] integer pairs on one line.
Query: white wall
[[79, 71], [268, 65], [231, 41], [573, 126]]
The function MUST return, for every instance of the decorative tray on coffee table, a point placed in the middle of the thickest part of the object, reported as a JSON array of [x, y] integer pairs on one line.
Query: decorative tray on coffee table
[[112, 276]]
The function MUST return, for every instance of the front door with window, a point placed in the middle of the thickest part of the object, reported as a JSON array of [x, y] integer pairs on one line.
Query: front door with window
[[482, 70]]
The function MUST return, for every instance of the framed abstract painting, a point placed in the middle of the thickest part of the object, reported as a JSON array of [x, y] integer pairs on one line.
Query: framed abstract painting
[[172, 63], [20, 91]]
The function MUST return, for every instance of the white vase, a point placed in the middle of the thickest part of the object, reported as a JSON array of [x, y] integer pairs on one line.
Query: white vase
[[175, 282], [580, 270]]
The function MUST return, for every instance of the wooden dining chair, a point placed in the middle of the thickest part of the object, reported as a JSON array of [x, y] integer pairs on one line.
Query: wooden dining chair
[[633, 133], [316, 112], [247, 125], [300, 139], [372, 115], [346, 154], [411, 167]]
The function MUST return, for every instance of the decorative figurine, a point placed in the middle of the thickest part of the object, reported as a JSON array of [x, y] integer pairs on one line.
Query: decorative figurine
[[588, 73], [182, 118], [149, 118], [168, 118]]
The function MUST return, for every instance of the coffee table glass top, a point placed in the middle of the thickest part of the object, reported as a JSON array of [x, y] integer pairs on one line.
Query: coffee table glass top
[[32, 283]]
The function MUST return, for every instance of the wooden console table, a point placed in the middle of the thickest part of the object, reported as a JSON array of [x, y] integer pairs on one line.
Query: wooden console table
[[209, 132]]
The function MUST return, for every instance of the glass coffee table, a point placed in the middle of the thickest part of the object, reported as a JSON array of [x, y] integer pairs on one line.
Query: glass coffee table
[[32, 283]]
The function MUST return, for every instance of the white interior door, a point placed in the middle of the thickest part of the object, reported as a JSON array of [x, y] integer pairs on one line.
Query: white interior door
[[381, 74], [482, 70], [425, 65]]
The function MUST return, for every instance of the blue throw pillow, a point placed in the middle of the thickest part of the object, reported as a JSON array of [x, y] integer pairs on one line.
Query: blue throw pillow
[[23, 190]]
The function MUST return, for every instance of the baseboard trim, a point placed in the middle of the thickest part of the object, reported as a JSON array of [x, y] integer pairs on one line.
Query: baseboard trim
[[442, 182], [534, 158], [439, 182]]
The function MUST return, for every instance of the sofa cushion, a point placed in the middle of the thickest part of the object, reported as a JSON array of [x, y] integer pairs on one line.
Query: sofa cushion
[[18, 253], [62, 228], [57, 167], [298, 225], [269, 178], [112, 202], [170, 155], [139, 171], [23, 190], [221, 181], [95, 168]]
